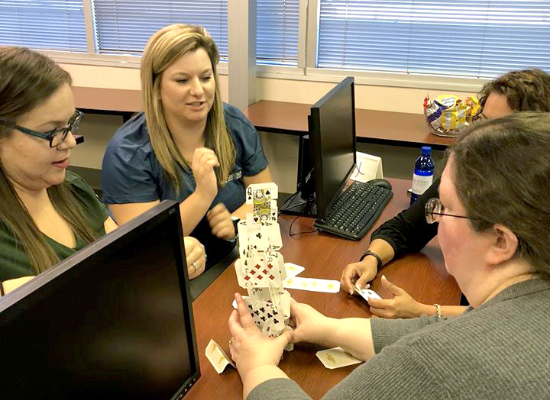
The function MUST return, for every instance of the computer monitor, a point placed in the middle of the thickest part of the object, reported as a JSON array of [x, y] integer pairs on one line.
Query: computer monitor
[[327, 154], [112, 321]]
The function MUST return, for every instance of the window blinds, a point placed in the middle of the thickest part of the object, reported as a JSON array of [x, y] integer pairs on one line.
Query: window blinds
[[43, 24], [460, 38]]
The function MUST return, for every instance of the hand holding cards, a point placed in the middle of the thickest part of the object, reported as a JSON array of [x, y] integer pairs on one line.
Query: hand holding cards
[[367, 294]]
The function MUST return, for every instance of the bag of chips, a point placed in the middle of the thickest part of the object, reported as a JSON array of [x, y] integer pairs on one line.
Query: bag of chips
[[448, 115]]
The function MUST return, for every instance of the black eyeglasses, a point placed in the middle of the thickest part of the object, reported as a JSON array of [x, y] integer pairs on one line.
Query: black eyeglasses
[[479, 117], [55, 136], [434, 209]]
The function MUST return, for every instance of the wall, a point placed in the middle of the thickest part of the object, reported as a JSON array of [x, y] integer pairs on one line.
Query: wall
[[281, 150]]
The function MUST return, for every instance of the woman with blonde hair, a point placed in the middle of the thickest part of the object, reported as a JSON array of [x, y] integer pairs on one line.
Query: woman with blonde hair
[[187, 145], [46, 212]]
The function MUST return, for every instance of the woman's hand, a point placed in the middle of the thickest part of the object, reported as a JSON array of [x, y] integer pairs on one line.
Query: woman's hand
[[402, 305], [203, 164], [220, 222], [249, 348], [195, 256], [310, 325], [358, 273]]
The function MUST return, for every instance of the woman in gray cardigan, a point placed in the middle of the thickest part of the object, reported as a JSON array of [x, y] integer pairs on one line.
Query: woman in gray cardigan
[[494, 230]]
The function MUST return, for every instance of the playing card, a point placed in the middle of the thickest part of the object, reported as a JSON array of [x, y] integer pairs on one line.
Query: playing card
[[234, 303], [266, 315], [270, 188], [274, 211], [293, 269], [217, 357], [336, 358], [367, 293], [313, 285], [261, 199], [272, 231], [258, 272]]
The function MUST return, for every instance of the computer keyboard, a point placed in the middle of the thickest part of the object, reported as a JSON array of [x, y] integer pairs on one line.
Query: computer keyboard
[[355, 210]]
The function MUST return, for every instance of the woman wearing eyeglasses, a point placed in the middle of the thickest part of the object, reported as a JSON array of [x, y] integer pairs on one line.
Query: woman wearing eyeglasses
[[408, 232], [494, 230], [46, 212]]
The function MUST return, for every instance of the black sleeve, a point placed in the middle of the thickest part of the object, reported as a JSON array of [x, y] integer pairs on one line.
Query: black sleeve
[[408, 231]]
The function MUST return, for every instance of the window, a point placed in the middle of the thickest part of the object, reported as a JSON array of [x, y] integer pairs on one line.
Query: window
[[124, 26], [277, 32], [470, 38], [43, 24]]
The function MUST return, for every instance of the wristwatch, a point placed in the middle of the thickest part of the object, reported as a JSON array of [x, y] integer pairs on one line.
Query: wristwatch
[[235, 223], [379, 262]]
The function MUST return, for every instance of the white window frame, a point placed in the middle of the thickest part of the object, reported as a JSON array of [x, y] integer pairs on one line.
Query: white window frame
[[304, 71]]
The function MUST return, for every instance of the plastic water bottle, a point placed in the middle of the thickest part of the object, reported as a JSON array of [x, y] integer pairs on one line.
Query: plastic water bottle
[[423, 173]]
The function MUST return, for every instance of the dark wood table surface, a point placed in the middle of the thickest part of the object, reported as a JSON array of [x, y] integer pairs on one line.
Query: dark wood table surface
[[380, 127], [372, 126], [423, 275]]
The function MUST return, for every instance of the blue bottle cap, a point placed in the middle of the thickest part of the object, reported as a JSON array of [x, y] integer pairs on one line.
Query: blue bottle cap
[[426, 150]]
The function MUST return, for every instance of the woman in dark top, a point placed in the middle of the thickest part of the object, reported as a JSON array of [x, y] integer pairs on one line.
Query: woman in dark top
[[46, 213], [187, 145], [408, 232]]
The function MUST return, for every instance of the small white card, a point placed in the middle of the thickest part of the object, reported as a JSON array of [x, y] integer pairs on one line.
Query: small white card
[[312, 284], [336, 358], [293, 269], [217, 357], [367, 167], [368, 294]]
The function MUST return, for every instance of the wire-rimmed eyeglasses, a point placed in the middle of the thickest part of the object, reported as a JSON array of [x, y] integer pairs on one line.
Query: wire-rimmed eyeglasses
[[55, 136], [434, 210]]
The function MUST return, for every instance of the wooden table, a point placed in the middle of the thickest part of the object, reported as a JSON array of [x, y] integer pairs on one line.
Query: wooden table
[[108, 101], [381, 127], [423, 275]]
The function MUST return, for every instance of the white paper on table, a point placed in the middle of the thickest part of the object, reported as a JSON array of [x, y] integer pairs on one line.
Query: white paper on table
[[367, 167]]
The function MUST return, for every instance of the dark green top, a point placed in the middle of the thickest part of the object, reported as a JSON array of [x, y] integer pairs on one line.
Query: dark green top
[[14, 262]]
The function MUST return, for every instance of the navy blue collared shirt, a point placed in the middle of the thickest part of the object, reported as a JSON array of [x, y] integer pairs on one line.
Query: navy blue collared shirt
[[131, 173]]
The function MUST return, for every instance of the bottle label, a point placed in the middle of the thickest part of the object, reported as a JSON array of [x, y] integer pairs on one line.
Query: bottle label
[[421, 183]]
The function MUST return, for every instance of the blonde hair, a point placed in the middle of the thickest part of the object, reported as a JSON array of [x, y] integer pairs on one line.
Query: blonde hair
[[162, 50], [28, 79]]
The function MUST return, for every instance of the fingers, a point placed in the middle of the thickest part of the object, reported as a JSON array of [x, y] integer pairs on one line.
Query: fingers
[[383, 308], [380, 303], [195, 256], [234, 323], [348, 277], [244, 315], [204, 161], [220, 222], [205, 158], [365, 270], [382, 313], [396, 290], [362, 281]]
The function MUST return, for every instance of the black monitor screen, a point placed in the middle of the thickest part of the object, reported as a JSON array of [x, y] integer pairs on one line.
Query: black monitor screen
[[332, 132], [112, 321]]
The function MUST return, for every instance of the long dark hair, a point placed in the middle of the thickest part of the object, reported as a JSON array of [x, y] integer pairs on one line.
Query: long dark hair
[[28, 79]]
